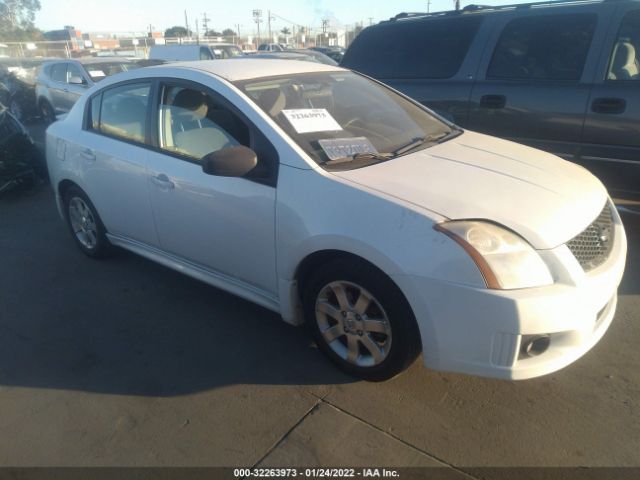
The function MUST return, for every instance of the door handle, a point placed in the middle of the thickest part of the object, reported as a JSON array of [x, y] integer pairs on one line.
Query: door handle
[[162, 181], [493, 101], [88, 155], [609, 106]]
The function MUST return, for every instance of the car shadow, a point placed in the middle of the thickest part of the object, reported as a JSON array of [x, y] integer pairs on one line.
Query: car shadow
[[631, 281], [127, 325]]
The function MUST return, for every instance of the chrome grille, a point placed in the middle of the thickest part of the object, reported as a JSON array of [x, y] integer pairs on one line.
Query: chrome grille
[[593, 246]]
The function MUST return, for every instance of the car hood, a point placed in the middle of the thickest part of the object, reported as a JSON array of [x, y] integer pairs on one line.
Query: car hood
[[545, 199]]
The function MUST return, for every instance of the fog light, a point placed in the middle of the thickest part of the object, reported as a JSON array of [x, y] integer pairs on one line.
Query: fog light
[[533, 345]]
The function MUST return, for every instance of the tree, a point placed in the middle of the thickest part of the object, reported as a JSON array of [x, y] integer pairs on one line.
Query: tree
[[229, 32], [212, 33], [16, 19], [177, 31], [285, 31]]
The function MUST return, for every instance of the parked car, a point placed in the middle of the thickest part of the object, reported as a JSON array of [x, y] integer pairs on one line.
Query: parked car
[[329, 198], [315, 56], [17, 86], [335, 53], [181, 53], [271, 47], [21, 162], [60, 83], [560, 76]]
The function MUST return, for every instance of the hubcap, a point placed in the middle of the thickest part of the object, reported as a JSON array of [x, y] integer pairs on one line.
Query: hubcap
[[83, 223], [353, 323]]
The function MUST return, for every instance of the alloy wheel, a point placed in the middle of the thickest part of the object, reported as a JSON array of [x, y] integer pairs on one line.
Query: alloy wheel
[[353, 323], [83, 223]]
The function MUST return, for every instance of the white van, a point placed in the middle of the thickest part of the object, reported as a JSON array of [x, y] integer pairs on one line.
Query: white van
[[181, 53]]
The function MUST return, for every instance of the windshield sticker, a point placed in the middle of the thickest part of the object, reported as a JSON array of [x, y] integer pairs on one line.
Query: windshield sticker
[[308, 120], [336, 148], [97, 73]]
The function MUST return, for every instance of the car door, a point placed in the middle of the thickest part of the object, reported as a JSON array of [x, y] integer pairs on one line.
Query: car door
[[112, 151], [611, 137], [534, 80], [73, 90], [225, 225], [56, 86]]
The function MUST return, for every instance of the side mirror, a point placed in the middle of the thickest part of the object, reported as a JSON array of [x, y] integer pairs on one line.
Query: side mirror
[[230, 162], [75, 80]]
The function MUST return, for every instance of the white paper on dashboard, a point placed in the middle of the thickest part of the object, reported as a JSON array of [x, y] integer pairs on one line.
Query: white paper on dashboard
[[97, 73], [308, 120]]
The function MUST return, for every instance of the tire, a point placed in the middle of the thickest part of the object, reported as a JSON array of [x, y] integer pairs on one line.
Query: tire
[[85, 225], [47, 113], [360, 319]]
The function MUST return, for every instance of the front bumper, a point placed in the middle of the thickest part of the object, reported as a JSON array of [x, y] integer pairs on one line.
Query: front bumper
[[479, 331]]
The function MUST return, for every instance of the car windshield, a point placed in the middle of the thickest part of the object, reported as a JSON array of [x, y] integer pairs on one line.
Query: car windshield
[[343, 120], [98, 71]]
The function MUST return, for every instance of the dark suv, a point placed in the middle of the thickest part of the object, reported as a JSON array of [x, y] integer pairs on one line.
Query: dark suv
[[562, 76]]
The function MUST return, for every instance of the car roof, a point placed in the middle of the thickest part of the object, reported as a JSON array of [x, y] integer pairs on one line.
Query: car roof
[[235, 69]]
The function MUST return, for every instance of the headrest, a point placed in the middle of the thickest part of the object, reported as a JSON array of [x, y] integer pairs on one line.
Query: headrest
[[192, 101]]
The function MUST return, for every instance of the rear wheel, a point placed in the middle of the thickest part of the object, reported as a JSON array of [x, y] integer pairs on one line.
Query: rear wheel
[[360, 320], [85, 224]]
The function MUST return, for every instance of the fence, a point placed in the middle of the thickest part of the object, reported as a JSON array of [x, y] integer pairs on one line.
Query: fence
[[139, 47]]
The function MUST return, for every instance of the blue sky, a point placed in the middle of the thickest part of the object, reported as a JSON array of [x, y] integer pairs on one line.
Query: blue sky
[[136, 15]]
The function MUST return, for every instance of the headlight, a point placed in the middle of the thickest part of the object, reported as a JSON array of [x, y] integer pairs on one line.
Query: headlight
[[505, 260]]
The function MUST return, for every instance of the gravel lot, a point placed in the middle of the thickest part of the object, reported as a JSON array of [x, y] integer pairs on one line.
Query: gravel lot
[[125, 363]]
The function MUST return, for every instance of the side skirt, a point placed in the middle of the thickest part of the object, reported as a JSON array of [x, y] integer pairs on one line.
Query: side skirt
[[216, 279]]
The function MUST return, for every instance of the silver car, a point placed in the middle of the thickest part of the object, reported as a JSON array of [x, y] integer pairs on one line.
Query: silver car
[[60, 83]]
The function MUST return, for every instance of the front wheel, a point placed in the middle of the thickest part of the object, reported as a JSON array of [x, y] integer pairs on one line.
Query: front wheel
[[360, 320]]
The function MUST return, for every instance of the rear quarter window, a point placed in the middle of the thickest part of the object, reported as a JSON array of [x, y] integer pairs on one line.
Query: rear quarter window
[[432, 48]]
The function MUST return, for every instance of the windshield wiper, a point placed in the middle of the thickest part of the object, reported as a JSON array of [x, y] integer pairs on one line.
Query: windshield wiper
[[419, 141], [359, 156]]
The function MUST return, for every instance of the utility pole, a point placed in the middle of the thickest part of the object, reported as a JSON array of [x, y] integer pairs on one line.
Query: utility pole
[[238, 29], [428, 6], [205, 23], [197, 33], [457, 2], [269, 23], [257, 17], [325, 26], [186, 23], [370, 21]]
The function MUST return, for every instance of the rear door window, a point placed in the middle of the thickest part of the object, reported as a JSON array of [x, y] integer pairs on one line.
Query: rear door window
[[543, 47], [625, 58], [123, 112], [433, 48]]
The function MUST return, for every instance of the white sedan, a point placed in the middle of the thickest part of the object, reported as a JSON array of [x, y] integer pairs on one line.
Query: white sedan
[[337, 202]]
